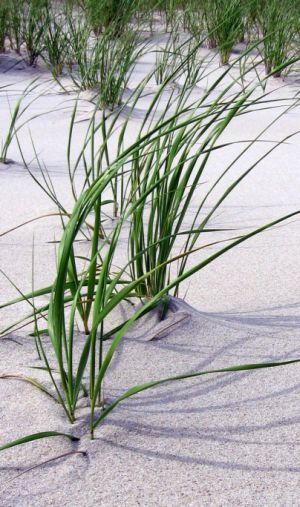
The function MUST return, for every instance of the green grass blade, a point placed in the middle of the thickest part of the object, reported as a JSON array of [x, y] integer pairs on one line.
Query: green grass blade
[[37, 436], [149, 385]]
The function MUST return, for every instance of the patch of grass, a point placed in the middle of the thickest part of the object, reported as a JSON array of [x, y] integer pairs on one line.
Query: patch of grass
[[4, 24], [15, 24], [165, 165], [109, 14], [103, 63], [33, 25], [118, 57], [278, 23], [55, 43], [151, 182], [224, 22], [193, 18]]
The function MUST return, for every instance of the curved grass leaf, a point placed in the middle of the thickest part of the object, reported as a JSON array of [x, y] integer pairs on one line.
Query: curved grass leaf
[[38, 436], [29, 380], [149, 385]]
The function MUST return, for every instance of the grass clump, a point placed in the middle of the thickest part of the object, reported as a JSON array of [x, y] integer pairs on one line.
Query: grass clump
[[55, 43], [33, 23], [224, 23], [109, 14], [4, 24], [158, 173], [103, 63], [15, 24], [278, 22], [151, 183], [117, 62], [193, 18]]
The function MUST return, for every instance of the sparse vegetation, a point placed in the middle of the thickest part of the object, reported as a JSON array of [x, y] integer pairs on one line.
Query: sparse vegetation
[[144, 178]]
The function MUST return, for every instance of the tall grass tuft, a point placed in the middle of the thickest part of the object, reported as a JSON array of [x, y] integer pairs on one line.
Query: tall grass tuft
[[224, 22], [55, 42], [15, 24], [151, 174], [33, 23], [103, 63], [193, 18], [110, 14], [4, 24], [164, 165], [278, 23]]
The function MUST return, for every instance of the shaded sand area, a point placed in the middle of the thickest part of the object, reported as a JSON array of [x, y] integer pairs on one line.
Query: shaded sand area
[[225, 440]]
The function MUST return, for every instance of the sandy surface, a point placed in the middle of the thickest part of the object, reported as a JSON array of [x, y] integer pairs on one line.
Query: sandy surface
[[227, 440]]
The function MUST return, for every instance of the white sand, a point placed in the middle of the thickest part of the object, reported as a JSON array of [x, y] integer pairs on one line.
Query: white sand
[[228, 440]]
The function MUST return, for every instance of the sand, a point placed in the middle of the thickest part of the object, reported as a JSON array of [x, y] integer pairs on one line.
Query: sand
[[225, 440]]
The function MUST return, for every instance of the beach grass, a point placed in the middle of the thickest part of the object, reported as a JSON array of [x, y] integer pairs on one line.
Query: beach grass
[[149, 182]]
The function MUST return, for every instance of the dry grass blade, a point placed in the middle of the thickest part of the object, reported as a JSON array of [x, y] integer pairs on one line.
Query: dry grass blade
[[56, 458], [29, 380]]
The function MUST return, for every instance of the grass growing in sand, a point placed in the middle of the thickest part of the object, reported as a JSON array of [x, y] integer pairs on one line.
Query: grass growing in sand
[[151, 183]]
